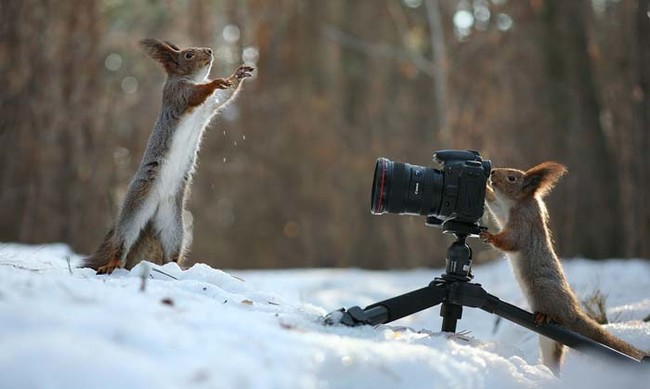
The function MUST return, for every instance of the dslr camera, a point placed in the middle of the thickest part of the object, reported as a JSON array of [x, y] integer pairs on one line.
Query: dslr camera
[[451, 197]]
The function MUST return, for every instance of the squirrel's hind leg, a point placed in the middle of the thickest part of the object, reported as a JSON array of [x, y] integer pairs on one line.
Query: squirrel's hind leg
[[552, 353], [147, 247], [110, 266], [168, 220], [138, 209]]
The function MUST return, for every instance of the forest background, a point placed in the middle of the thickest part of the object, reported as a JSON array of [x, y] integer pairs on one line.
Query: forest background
[[285, 173]]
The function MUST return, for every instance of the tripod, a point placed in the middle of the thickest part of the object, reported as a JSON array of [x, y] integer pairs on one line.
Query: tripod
[[453, 291]]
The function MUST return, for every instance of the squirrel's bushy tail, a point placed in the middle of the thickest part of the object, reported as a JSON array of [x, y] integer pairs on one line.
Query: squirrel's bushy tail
[[591, 329]]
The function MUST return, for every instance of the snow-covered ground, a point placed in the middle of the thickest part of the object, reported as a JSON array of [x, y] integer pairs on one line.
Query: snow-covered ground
[[62, 327]]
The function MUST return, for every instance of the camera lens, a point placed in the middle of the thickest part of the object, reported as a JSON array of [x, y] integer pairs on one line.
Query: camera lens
[[405, 189]]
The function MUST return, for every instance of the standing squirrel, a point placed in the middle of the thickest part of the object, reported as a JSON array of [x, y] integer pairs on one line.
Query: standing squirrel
[[515, 199], [150, 224]]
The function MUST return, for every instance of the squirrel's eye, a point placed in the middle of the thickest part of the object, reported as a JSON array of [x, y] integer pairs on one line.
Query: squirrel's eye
[[189, 55], [511, 178]]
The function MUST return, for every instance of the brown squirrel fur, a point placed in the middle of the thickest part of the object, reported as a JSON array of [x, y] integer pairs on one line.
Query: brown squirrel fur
[[515, 199]]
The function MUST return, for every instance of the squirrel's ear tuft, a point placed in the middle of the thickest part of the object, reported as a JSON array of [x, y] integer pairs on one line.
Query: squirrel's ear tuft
[[173, 46], [163, 52], [540, 179]]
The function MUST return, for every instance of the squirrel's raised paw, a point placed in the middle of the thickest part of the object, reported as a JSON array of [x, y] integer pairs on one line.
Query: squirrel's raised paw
[[110, 266], [490, 197], [244, 71]]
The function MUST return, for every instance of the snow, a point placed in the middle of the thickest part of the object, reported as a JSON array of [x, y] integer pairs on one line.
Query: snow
[[161, 327]]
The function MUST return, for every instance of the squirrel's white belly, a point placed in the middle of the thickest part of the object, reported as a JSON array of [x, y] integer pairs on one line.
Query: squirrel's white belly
[[180, 158]]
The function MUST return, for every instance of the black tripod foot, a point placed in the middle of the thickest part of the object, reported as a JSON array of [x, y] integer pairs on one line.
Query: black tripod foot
[[352, 317]]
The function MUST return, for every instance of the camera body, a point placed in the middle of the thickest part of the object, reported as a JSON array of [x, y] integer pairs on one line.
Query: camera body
[[452, 195], [465, 178]]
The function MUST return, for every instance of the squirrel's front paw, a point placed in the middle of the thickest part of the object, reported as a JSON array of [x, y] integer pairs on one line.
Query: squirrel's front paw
[[541, 318], [244, 71], [486, 236], [223, 83], [490, 197]]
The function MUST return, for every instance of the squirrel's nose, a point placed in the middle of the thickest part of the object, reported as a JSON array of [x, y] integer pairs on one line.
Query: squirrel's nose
[[209, 51]]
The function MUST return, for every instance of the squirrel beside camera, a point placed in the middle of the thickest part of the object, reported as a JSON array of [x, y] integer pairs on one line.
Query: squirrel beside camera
[[515, 199], [150, 224]]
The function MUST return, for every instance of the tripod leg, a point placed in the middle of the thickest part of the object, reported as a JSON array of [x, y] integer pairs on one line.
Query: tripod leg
[[454, 296], [393, 308], [552, 331]]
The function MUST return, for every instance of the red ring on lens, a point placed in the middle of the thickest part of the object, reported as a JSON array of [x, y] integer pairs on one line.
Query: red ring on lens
[[381, 186]]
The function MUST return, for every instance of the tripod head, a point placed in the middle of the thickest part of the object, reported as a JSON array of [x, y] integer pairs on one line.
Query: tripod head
[[459, 260], [455, 227], [459, 253]]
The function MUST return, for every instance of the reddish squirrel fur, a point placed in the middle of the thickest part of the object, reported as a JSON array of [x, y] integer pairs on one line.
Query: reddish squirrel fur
[[515, 199], [151, 224]]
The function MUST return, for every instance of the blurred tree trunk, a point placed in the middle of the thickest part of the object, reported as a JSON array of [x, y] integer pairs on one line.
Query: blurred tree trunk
[[440, 64], [593, 202], [52, 125], [200, 23], [637, 190]]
